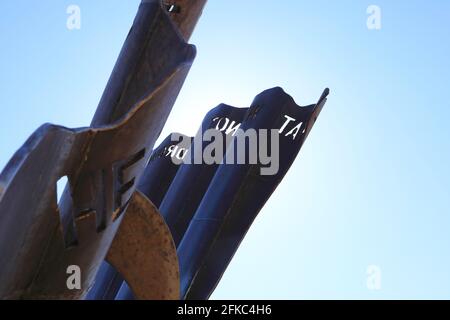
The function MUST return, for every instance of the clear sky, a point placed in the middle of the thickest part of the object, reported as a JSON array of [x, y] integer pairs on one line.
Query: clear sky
[[371, 186]]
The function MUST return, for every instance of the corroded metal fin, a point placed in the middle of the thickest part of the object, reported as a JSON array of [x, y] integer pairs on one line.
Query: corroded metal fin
[[156, 179], [116, 154], [150, 54], [39, 239], [28, 208], [144, 253], [181, 198]]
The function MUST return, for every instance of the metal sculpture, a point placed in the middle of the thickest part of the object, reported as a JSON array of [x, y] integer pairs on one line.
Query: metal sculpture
[[209, 219], [182, 198], [156, 179], [135, 208], [40, 239], [239, 191]]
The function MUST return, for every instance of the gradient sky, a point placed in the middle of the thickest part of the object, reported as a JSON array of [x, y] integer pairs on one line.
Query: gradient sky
[[371, 184]]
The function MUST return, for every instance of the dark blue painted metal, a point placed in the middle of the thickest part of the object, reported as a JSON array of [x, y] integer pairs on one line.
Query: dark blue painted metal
[[237, 193], [106, 283], [192, 180], [226, 198], [162, 167], [125, 293]]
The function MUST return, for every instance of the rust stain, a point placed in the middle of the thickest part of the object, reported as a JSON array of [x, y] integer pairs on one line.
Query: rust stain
[[144, 253]]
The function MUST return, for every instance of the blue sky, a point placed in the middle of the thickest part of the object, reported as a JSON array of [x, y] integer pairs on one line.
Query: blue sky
[[370, 186]]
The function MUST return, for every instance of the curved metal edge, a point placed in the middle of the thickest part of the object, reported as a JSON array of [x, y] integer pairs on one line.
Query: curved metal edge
[[144, 253], [43, 220], [21, 155], [216, 231]]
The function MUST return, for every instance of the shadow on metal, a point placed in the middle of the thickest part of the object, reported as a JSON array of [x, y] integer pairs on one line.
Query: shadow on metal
[[39, 239], [191, 181], [156, 179], [211, 207]]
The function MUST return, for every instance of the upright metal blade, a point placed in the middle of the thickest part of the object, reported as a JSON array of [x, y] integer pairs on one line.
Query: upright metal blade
[[239, 191], [144, 253], [193, 178], [40, 239], [156, 179]]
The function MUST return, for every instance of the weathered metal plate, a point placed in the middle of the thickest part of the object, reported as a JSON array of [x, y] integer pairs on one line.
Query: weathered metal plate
[[156, 179], [181, 198], [144, 253]]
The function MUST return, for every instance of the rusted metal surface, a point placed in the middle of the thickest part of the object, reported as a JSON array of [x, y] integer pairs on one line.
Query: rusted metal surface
[[181, 198], [101, 214], [155, 181], [212, 216], [150, 53], [144, 253], [38, 238]]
